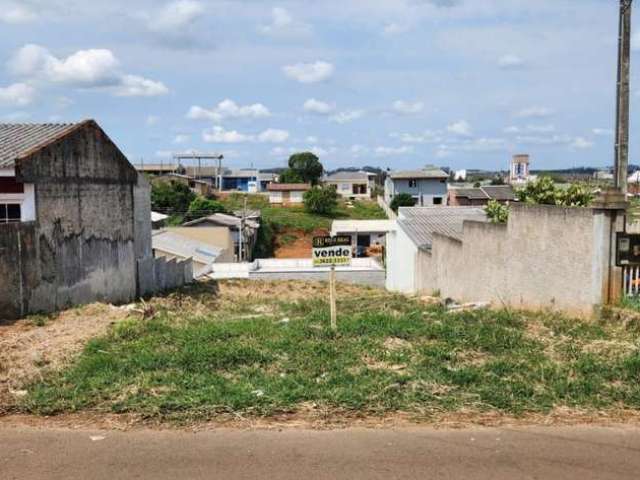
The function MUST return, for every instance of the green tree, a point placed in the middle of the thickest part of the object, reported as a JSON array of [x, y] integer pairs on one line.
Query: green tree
[[542, 191], [171, 198], [577, 195], [307, 165], [497, 212], [321, 200], [290, 176], [203, 207], [402, 200]]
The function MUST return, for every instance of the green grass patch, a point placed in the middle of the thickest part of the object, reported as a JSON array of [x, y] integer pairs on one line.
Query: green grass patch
[[265, 355]]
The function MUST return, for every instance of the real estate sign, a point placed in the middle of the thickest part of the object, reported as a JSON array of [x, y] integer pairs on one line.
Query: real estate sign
[[328, 251]]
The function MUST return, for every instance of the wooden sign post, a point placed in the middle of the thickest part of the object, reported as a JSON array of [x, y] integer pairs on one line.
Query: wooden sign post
[[332, 251]]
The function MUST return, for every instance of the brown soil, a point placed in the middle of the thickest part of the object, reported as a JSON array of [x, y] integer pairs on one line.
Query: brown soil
[[28, 350], [299, 248]]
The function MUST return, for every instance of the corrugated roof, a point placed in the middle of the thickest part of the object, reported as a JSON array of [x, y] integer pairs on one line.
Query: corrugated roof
[[288, 187], [424, 173], [224, 221], [420, 223], [471, 193], [500, 192], [184, 247], [20, 139], [346, 175]]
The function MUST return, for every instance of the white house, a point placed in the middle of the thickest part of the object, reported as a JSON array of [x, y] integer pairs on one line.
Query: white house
[[427, 186], [364, 233], [287, 193], [412, 237], [353, 185]]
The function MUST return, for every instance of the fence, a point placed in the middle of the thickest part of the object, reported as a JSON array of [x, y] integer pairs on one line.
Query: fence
[[387, 209]]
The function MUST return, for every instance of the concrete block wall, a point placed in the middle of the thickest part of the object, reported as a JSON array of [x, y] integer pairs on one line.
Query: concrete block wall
[[545, 257]]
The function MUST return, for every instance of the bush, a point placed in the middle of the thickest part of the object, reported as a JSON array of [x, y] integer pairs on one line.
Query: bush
[[321, 200], [402, 200], [497, 212], [544, 191], [203, 207], [172, 198]]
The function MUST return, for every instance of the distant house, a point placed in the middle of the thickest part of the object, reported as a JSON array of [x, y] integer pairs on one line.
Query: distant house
[[287, 193], [412, 237], [266, 179], [427, 186], [158, 220], [233, 223], [366, 235], [204, 246], [243, 180], [199, 187], [75, 220], [481, 196], [159, 168], [353, 185]]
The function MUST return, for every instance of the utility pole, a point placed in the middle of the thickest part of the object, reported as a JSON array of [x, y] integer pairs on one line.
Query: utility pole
[[622, 99]]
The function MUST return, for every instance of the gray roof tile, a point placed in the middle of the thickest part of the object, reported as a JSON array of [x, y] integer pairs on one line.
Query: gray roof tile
[[18, 139], [424, 173], [420, 223]]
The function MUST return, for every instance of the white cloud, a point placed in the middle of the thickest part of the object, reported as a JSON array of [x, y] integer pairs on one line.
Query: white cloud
[[358, 150], [603, 132], [176, 15], [581, 143], [535, 112], [309, 72], [319, 107], [272, 135], [95, 68], [152, 120], [283, 23], [393, 151], [407, 108], [312, 139], [347, 116], [394, 28], [218, 134], [16, 14], [228, 109], [510, 61], [427, 136], [135, 86], [512, 129], [17, 95], [461, 128], [181, 138]]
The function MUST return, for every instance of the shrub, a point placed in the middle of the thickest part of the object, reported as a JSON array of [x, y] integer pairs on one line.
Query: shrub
[[497, 212], [321, 200], [402, 200], [172, 198], [203, 207]]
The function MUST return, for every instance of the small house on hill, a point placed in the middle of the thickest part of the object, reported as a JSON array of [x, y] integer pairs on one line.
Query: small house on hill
[[287, 193], [427, 186], [352, 185]]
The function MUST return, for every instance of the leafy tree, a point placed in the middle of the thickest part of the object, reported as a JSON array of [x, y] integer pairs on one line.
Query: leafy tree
[[172, 198], [497, 212], [498, 180], [402, 200], [544, 191], [321, 200], [307, 165], [290, 176], [203, 207]]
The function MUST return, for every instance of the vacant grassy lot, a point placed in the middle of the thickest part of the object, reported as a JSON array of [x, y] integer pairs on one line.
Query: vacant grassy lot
[[263, 349]]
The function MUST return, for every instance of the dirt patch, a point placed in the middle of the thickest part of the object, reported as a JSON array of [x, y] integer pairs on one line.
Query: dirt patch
[[296, 243], [31, 346]]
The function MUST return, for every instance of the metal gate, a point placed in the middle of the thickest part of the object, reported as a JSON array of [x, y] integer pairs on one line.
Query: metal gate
[[631, 280]]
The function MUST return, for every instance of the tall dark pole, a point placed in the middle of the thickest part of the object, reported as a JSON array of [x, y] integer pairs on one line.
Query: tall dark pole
[[622, 99]]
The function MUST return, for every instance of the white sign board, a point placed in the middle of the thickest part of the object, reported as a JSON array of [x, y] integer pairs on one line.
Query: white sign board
[[332, 251]]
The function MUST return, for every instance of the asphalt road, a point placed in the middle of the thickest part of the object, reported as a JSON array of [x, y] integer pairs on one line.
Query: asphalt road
[[420, 453]]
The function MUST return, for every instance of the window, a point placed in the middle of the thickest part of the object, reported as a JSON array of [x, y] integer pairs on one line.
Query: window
[[437, 200], [413, 183], [10, 213]]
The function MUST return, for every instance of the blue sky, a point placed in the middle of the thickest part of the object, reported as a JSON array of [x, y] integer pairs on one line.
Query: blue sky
[[390, 83]]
